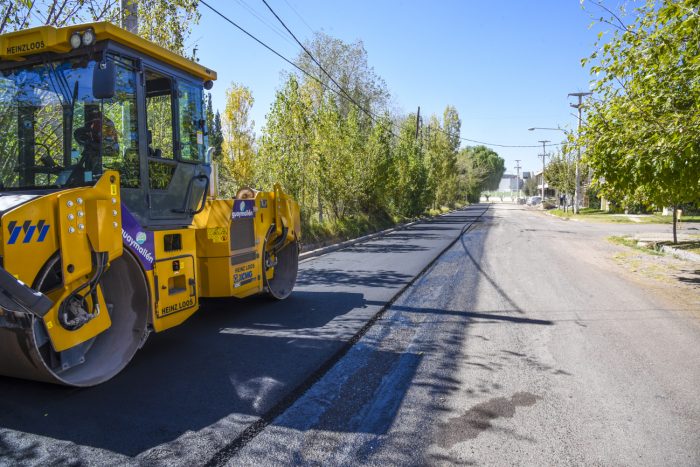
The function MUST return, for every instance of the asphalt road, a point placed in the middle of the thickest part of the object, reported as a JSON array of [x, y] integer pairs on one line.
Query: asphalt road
[[524, 344], [192, 391]]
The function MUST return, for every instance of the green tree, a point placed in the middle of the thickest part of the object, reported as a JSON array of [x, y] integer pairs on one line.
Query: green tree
[[349, 66], [479, 169], [530, 187], [238, 148], [376, 196], [560, 173], [214, 130], [285, 153], [410, 198], [216, 137], [642, 131]]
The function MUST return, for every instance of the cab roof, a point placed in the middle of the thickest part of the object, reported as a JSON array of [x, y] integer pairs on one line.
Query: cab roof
[[16, 45]]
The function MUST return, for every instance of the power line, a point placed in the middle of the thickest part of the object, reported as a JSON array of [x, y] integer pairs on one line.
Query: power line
[[270, 26], [369, 113], [299, 16], [345, 93], [240, 28], [340, 93]]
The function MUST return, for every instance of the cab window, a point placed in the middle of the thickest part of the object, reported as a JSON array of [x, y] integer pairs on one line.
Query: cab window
[[159, 124], [191, 123], [159, 115]]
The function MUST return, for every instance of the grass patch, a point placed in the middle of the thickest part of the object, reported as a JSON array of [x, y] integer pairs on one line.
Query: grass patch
[[632, 243], [659, 219], [596, 215], [437, 212], [333, 231], [317, 234]]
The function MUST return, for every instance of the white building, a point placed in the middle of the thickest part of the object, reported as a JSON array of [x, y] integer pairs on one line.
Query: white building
[[509, 182]]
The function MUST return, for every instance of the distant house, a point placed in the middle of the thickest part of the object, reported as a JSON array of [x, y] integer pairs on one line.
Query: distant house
[[547, 190]]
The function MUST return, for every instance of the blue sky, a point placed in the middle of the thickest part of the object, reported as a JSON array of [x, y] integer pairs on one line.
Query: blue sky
[[505, 65]]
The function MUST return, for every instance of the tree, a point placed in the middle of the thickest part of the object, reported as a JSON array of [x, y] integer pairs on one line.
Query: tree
[[238, 150], [381, 170], [410, 197], [479, 168], [165, 22], [214, 131], [560, 173], [348, 65], [216, 137], [642, 132], [530, 187], [285, 146]]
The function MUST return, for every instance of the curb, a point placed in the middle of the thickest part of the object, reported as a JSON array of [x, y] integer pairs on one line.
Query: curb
[[561, 218], [680, 253], [344, 244]]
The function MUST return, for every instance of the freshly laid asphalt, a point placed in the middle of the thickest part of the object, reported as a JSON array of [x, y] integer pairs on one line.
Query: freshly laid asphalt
[[524, 344], [192, 391]]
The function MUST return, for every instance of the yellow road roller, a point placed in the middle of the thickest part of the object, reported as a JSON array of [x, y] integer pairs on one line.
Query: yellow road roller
[[110, 223]]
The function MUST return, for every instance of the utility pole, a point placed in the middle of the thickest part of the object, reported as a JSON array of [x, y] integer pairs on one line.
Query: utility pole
[[129, 15], [543, 155], [517, 177], [417, 122], [577, 192]]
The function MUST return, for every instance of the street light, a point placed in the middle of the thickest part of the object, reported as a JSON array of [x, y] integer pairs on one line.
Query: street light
[[577, 194], [544, 154], [517, 176], [546, 128]]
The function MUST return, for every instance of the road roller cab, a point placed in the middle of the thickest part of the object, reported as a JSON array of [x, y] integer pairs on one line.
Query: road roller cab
[[110, 223]]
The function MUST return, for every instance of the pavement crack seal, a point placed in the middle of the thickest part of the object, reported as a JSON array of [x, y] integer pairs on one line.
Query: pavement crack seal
[[231, 449]]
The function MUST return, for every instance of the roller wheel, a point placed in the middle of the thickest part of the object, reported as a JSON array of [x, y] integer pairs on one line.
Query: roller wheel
[[25, 351], [286, 268]]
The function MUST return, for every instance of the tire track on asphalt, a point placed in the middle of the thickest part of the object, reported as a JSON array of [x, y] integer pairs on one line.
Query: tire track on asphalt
[[226, 453]]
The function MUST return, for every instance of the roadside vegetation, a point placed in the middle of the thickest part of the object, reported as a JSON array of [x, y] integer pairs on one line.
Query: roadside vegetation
[[655, 247], [596, 215], [642, 124], [353, 165], [338, 146], [632, 243]]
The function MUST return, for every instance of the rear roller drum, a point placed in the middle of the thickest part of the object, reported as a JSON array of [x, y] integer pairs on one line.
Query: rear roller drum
[[25, 351], [286, 264]]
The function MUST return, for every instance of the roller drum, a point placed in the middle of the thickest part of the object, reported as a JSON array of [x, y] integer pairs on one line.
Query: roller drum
[[25, 351]]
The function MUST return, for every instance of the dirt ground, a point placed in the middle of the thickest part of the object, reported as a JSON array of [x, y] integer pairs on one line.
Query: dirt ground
[[675, 279]]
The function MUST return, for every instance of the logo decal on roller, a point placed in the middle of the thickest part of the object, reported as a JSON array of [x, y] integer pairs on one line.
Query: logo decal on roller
[[243, 209], [29, 230]]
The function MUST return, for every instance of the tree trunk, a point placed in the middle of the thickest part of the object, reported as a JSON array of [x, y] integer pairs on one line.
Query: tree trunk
[[320, 208], [675, 220]]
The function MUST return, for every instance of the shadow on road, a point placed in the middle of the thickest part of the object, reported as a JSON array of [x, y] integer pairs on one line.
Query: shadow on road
[[489, 317], [691, 277], [187, 378], [355, 278], [234, 359]]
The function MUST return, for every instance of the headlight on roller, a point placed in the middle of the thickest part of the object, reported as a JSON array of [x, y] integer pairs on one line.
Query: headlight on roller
[[88, 37], [75, 40]]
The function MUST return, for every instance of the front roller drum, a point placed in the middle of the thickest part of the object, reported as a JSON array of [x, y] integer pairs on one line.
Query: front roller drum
[[25, 350]]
